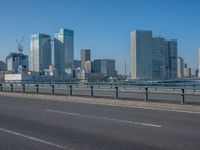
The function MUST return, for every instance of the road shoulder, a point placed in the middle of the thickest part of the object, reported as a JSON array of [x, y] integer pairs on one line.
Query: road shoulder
[[114, 102]]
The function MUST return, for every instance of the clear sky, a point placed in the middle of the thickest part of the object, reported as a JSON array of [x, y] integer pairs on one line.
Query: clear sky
[[104, 26]]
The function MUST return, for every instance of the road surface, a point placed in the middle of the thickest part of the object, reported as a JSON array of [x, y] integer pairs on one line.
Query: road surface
[[35, 124]]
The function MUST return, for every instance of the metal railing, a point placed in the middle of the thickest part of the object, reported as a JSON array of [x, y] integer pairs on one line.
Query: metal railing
[[146, 93]]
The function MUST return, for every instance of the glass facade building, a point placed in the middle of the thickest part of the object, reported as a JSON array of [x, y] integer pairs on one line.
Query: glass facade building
[[40, 53], [105, 67], [3, 66], [171, 48], [152, 58], [180, 68], [199, 64], [17, 62], [63, 50]]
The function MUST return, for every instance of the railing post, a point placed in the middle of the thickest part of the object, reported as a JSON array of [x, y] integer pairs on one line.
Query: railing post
[[37, 88], [92, 91], [1, 87], [194, 88], [146, 94], [11, 87], [53, 90], [124, 86], [70, 90], [116, 93], [23, 88], [183, 96]]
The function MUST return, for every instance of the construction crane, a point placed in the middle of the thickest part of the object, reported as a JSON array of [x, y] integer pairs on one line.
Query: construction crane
[[19, 45]]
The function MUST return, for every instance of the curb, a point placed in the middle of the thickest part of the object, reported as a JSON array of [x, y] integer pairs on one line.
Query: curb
[[103, 101]]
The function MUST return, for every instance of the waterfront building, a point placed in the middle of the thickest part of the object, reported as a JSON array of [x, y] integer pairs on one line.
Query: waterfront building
[[63, 51], [2, 66], [105, 67], [189, 72], [180, 67], [186, 73], [40, 53], [85, 55], [171, 50], [196, 72], [199, 64], [152, 58], [17, 62]]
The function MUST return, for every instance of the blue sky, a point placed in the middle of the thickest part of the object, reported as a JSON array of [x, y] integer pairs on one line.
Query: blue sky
[[104, 26]]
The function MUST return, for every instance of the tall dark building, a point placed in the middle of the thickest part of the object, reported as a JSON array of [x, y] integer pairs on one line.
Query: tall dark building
[[2, 66], [171, 49], [85, 55]]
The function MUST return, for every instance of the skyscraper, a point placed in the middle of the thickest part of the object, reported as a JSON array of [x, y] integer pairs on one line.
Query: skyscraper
[[63, 50], [85, 55], [199, 63], [186, 73], [180, 67], [147, 56], [40, 54], [152, 57], [171, 50]]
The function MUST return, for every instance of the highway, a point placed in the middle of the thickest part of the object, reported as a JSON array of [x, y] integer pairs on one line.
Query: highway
[[36, 124]]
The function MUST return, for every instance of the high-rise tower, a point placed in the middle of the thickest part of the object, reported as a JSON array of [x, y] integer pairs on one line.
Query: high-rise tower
[[63, 50], [40, 54]]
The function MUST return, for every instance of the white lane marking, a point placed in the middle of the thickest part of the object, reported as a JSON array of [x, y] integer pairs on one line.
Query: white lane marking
[[33, 139], [104, 118]]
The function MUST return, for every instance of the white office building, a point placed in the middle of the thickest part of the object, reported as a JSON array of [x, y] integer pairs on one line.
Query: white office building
[[152, 58], [180, 67], [40, 53], [63, 50]]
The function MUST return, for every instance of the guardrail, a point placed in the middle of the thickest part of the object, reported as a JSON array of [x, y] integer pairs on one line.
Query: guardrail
[[183, 95]]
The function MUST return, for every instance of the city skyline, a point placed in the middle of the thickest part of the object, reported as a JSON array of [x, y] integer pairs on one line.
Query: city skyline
[[106, 35]]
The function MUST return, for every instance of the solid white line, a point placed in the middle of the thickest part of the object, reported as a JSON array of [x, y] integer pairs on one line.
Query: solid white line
[[104, 118], [33, 139]]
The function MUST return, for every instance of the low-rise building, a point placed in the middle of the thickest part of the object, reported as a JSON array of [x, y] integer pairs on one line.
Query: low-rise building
[[17, 77]]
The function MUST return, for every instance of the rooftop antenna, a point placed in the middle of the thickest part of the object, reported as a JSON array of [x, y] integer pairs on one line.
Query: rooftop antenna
[[19, 45]]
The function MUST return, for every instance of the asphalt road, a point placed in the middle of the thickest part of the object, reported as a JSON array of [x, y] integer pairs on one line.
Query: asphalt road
[[34, 124]]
